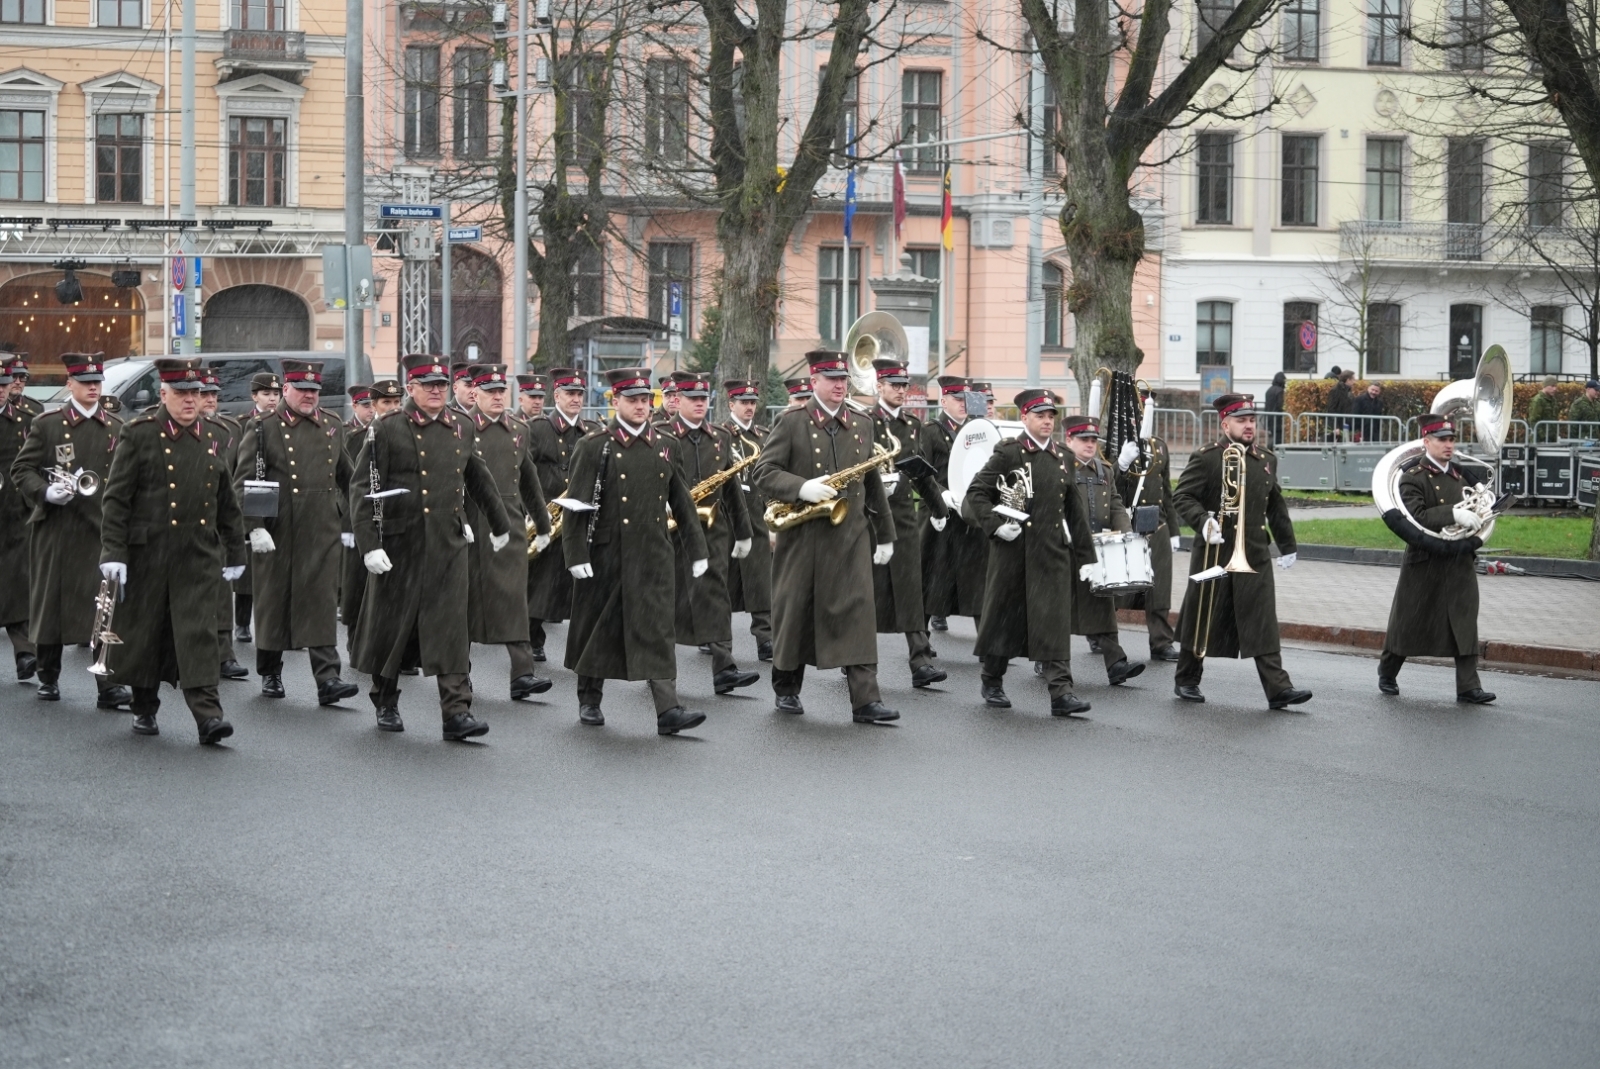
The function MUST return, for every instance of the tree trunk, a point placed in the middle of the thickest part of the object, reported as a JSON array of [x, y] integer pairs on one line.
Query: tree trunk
[[1105, 242], [748, 298]]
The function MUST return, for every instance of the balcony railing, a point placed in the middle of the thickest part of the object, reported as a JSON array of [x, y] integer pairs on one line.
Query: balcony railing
[[283, 46], [1465, 243]]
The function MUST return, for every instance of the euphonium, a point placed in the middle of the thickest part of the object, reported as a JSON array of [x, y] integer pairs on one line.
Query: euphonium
[[780, 516], [710, 485]]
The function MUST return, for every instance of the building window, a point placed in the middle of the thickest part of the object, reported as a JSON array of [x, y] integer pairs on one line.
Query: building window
[[1213, 13], [1300, 180], [1296, 357], [120, 13], [29, 12], [257, 161], [1545, 350], [586, 85], [671, 262], [927, 263], [666, 110], [422, 102], [919, 119], [21, 155], [1215, 168], [1383, 33], [1383, 179], [1547, 166], [119, 158], [260, 15], [833, 318], [844, 135], [1213, 333], [589, 282], [1466, 339], [1383, 338], [1464, 182], [472, 103], [1054, 337], [1302, 31], [1049, 128], [1469, 29]]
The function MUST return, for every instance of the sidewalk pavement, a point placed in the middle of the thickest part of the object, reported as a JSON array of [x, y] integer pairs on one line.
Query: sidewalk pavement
[[1523, 619]]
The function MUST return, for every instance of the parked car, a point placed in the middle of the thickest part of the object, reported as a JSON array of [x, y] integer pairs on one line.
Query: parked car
[[133, 380]]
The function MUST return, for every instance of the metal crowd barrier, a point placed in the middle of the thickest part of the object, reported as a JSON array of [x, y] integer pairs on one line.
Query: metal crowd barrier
[[1309, 427], [1564, 430], [1179, 428]]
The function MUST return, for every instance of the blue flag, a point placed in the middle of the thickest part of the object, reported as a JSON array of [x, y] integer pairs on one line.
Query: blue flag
[[849, 199]]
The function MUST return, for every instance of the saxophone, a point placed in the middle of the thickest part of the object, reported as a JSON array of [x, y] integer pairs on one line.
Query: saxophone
[[557, 515], [780, 515], [710, 485]]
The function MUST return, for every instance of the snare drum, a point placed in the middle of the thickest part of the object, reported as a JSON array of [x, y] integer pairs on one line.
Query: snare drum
[[1122, 566]]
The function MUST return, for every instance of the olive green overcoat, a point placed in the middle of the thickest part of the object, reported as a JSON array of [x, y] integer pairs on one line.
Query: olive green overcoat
[[955, 560], [14, 510], [1435, 608], [551, 441], [415, 615], [1028, 603], [1245, 609], [622, 623], [169, 513], [297, 584], [1093, 615], [64, 540], [822, 607], [897, 586], [353, 575], [497, 606], [750, 579], [704, 612], [1157, 492], [227, 430]]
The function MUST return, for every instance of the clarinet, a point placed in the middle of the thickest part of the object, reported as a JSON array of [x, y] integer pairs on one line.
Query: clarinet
[[372, 478], [599, 485]]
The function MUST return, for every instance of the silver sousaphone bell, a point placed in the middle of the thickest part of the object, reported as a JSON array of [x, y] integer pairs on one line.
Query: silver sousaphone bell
[[874, 335]]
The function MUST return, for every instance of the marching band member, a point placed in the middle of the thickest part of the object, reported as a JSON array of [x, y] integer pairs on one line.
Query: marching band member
[[954, 557], [14, 510], [704, 612], [266, 394], [552, 438], [462, 395], [822, 611], [414, 545], [383, 396], [64, 529], [1435, 609], [1033, 563], [531, 392], [622, 559], [669, 401], [750, 578], [30, 408], [170, 525], [897, 586], [497, 607], [227, 430], [1153, 489], [1242, 617], [799, 392], [1095, 616]]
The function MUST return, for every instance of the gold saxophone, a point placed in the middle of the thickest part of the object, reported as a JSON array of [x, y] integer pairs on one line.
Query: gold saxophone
[[557, 514], [780, 516], [710, 485]]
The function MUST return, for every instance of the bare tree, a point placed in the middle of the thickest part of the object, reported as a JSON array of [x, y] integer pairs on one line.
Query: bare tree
[[1355, 289]]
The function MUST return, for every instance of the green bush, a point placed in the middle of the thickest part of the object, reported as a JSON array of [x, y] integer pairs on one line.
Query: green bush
[[1410, 397]]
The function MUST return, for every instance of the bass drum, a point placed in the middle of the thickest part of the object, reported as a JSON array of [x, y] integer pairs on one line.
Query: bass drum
[[970, 451]]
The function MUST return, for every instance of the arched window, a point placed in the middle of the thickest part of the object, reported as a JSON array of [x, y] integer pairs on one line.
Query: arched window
[[255, 318], [1054, 311]]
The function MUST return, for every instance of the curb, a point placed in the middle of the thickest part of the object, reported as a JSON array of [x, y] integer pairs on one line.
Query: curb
[[1367, 638], [1549, 567]]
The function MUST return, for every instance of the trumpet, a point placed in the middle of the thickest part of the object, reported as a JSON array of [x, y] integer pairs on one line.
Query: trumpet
[[710, 485], [101, 636], [82, 482], [557, 515], [780, 516], [1014, 496], [1230, 507]]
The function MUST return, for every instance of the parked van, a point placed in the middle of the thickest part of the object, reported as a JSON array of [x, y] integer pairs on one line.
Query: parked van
[[134, 382]]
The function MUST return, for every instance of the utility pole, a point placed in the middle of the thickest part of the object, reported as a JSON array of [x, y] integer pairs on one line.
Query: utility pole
[[1036, 149], [186, 209], [446, 321], [355, 115], [519, 227]]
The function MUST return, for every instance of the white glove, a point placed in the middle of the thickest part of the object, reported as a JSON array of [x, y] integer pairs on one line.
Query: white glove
[[883, 553], [1127, 455], [377, 562], [497, 542], [817, 490], [1466, 517], [699, 567], [541, 543], [952, 502], [115, 570], [1177, 543], [232, 572], [741, 549], [938, 525], [1211, 531], [1085, 572], [772, 539], [1008, 531], [582, 571], [57, 494], [347, 540], [261, 541], [891, 481], [1287, 560], [466, 532]]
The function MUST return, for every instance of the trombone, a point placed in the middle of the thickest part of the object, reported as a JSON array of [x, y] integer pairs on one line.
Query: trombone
[[1230, 507]]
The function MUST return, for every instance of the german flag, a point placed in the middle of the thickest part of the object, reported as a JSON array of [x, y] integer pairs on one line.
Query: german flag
[[947, 214]]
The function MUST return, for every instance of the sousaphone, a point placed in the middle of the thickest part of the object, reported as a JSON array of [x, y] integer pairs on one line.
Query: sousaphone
[[873, 335]]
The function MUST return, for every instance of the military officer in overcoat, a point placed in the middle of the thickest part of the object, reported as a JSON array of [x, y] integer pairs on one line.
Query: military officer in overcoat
[[552, 438], [1243, 605], [64, 529], [703, 610], [266, 394], [531, 392], [296, 555], [750, 578], [1028, 608], [384, 395], [621, 557], [1094, 616], [954, 556], [799, 391], [463, 398], [226, 428], [1153, 489], [14, 511], [822, 609], [497, 607], [667, 411], [170, 532], [1435, 608], [19, 381], [414, 545], [897, 586]]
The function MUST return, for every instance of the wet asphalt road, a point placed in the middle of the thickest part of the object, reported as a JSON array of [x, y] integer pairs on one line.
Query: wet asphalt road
[[1375, 882]]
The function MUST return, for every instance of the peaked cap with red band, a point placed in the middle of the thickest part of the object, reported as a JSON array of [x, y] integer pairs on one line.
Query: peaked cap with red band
[[303, 374], [388, 389], [629, 381], [566, 378], [667, 384], [490, 377], [741, 388], [180, 373], [425, 368], [1433, 426], [461, 369], [890, 370], [690, 384], [210, 381], [360, 394], [85, 367], [798, 387], [1236, 404], [1081, 427], [830, 363], [1037, 401], [531, 384]]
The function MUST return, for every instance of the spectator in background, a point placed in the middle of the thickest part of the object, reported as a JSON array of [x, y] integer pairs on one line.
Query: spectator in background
[[1544, 408], [1586, 409], [1333, 373], [1340, 403], [1273, 409], [1369, 403]]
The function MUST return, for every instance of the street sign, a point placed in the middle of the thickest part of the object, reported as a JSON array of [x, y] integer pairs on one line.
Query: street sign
[[179, 276], [411, 211], [177, 313], [465, 233], [675, 298], [1308, 335]]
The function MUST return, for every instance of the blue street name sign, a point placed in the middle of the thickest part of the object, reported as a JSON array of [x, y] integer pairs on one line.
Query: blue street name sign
[[411, 211], [466, 233]]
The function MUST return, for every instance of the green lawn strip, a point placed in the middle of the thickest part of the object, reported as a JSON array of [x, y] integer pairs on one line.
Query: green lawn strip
[[1514, 536]]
